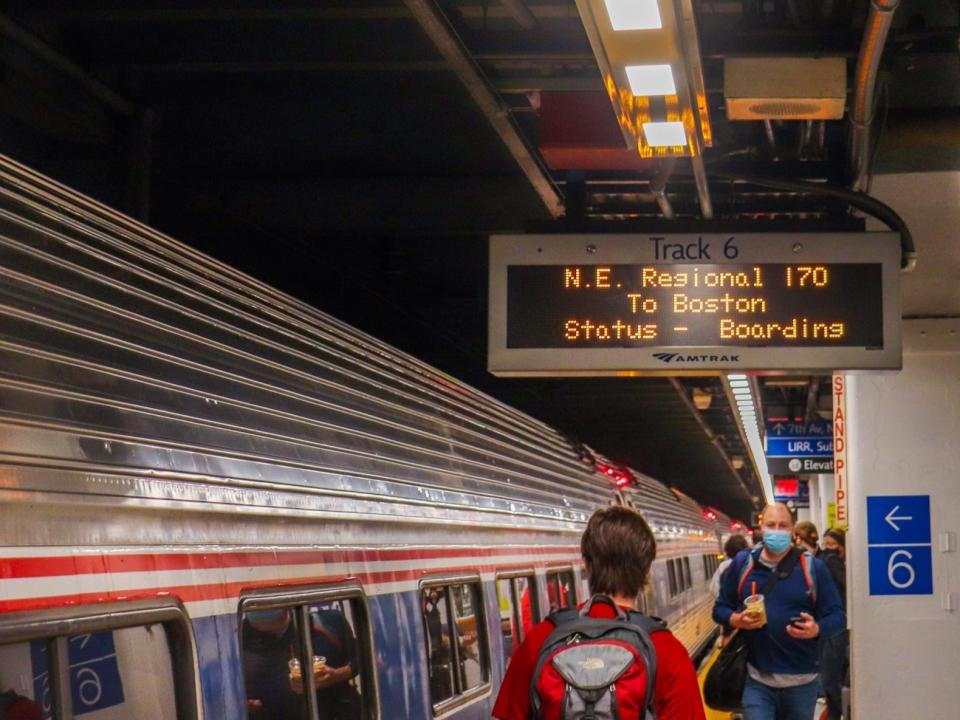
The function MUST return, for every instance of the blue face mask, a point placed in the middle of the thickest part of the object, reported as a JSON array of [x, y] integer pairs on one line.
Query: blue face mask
[[776, 541]]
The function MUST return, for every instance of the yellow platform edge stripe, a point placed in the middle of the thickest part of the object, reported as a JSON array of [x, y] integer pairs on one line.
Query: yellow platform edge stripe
[[704, 669]]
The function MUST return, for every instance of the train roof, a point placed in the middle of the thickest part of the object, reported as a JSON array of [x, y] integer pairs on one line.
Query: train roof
[[131, 352]]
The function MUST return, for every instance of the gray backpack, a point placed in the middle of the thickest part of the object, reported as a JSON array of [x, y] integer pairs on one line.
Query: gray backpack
[[596, 668]]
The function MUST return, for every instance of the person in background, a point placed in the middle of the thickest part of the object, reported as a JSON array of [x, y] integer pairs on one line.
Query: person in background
[[834, 556], [806, 537], [782, 645], [618, 549], [731, 548], [833, 650]]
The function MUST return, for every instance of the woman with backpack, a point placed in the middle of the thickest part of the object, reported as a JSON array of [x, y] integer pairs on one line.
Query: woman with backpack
[[606, 656]]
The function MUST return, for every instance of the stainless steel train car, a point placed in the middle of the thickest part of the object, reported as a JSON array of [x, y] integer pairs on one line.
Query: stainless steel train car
[[207, 486]]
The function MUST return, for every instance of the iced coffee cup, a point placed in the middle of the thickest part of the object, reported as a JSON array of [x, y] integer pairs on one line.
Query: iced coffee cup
[[754, 606]]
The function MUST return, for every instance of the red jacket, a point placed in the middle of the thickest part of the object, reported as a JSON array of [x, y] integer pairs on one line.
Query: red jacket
[[676, 693]]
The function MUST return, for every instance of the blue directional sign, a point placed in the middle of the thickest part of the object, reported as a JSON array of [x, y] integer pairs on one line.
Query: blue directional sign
[[899, 545], [799, 446], [808, 429], [898, 519]]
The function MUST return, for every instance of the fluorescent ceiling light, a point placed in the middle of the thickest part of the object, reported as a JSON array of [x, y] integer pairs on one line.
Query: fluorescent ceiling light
[[739, 383], [634, 14], [742, 391], [665, 134], [736, 377], [652, 80]]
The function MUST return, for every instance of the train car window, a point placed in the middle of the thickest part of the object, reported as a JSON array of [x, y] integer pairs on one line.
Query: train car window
[[307, 654], [687, 575], [561, 592], [126, 659], [517, 600], [672, 576], [459, 667]]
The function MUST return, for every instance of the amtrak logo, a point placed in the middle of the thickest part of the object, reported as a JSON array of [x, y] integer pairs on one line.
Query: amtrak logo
[[679, 358]]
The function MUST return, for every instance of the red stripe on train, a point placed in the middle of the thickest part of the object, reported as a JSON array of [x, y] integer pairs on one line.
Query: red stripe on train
[[216, 591], [90, 564]]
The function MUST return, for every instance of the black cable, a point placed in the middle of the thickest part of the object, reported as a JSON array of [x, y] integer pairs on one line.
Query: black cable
[[859, 200]]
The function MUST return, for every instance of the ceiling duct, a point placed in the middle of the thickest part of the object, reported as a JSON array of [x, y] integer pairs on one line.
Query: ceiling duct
[[766, 88]]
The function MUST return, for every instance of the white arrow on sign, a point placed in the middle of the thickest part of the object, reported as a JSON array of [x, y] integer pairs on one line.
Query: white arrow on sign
[[890, 517]]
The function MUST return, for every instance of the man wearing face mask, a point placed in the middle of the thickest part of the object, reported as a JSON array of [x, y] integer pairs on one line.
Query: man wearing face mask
[[801, 606]]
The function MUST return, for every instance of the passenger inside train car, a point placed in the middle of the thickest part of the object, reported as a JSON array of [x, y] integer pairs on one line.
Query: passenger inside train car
[[273, 662]]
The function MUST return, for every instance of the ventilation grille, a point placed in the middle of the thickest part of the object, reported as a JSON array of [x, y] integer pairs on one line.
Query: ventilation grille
[[784, 109]]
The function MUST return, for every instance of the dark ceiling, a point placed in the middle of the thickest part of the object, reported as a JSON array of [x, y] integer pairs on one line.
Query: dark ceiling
[[331, 149]]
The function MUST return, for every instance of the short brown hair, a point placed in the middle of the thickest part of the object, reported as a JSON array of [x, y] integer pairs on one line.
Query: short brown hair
[[807, 531], [618, 548]]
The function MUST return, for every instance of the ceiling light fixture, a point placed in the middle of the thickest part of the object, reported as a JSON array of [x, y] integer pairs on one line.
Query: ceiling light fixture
[[651, 80], [750, 428], [665, 134], [649, 59], [701, 398], [634, 14]]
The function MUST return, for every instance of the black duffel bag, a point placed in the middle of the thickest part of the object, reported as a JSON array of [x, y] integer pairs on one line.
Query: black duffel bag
[[723, 686]]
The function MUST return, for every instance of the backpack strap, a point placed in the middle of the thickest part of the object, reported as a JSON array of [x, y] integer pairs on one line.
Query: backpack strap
[[809, 574], [649, 625], [781, 571], [745, 572]]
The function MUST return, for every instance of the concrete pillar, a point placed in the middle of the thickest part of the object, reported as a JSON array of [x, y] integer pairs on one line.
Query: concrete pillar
[[904, 439]]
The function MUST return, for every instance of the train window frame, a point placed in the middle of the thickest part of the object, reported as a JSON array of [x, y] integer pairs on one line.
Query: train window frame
[[485, 688], [300, 597], [687, 573], [672, 578], [57, 625], [557, 570], [531, 577]]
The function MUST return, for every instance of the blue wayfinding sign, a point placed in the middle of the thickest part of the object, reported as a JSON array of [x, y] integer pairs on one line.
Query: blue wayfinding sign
[[899, 545], [94, 674], [809, 429], [799, 447]]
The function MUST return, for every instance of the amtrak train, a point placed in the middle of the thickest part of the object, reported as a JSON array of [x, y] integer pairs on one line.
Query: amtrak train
[[214, 495]]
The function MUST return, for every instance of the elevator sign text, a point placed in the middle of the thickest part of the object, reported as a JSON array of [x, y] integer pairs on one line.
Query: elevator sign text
[[683, 303]]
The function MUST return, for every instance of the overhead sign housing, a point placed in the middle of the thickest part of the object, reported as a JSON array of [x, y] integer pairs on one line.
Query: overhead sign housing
[[693, 304]]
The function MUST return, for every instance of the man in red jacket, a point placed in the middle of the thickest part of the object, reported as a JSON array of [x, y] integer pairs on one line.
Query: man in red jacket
[[618, 549]]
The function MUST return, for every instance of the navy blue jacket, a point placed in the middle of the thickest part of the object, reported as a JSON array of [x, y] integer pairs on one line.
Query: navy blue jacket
[[771, 649]]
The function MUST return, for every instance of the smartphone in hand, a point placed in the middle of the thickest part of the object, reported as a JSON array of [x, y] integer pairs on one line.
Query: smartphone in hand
[[796, 620]]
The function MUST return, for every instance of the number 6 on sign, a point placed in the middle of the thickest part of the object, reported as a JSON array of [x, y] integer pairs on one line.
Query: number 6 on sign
[[901, 570], [893, 566]]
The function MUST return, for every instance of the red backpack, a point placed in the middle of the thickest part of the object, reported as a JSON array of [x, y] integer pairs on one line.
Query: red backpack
[[596, 668]]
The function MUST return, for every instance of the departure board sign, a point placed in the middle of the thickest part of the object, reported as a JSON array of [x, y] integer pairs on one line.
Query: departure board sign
[[694, 304]]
